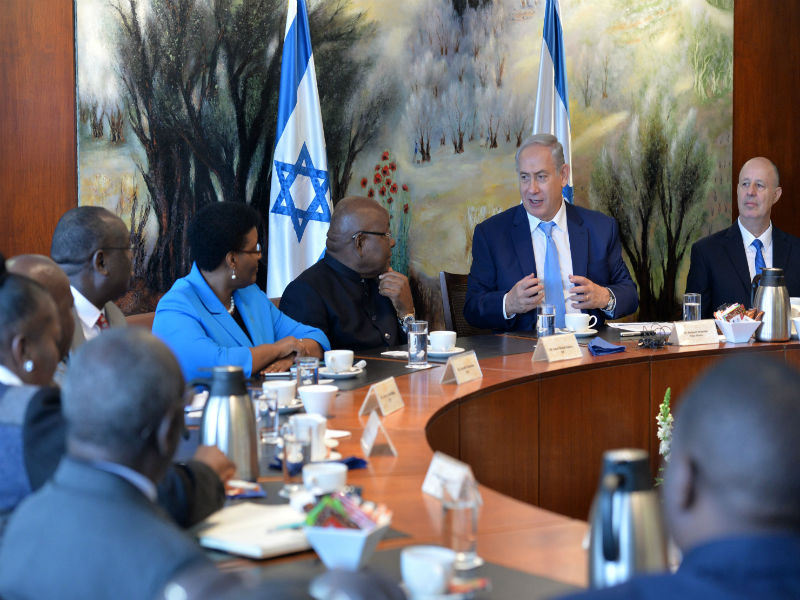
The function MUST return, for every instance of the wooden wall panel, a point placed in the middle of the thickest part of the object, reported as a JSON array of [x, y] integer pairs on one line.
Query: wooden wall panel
[[610, 401], [38, 175], [766, 84]]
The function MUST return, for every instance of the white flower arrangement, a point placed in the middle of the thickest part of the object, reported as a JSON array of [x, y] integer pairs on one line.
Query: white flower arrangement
[[664, 421]]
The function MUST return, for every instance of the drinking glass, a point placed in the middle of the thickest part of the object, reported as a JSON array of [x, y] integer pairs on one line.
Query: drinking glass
[[545, 320], [307, 370], [460, 525], [691, 307], [296, 453], [267, 425], [418, 344]]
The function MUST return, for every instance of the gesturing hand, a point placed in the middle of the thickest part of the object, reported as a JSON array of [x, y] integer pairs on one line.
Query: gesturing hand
[[526, 295], [587, 294]]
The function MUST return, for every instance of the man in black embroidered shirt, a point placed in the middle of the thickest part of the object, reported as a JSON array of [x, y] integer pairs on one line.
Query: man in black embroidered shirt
[[352, 294]]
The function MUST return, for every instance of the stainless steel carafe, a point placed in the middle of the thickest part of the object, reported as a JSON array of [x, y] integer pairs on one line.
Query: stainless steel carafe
[[626, 530], [773, 298], [229, 421]]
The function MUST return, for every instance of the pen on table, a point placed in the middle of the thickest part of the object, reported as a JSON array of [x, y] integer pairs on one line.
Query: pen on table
[[629, 333]]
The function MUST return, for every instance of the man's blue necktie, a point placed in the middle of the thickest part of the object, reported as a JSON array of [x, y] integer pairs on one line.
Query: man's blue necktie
[[553, 290], [760, 264]]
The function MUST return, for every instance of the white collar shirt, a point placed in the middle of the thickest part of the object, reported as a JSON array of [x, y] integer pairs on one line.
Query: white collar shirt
[[87, 314], [8, 377], [750, 251]]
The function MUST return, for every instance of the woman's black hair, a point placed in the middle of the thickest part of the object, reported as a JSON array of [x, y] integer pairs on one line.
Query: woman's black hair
[[20, 299], [220, 228]]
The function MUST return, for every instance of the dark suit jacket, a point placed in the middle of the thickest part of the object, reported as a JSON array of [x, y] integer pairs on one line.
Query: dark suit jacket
[[502, 254], [732, 569], [718, 268], [91, 534], [347, 308], [114, 317], [189, 491]]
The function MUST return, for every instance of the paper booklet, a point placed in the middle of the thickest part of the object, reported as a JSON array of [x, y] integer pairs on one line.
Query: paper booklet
[[254, 530]]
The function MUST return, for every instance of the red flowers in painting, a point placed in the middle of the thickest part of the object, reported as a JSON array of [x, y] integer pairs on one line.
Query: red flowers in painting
[[363, 182], [377, 178], [389, 200], [371, 193], [388, 181], [382, 191], [393, 188], [385, 155], [392, 166], [377, 167], [385, 170], [405, 187], [405, 208]]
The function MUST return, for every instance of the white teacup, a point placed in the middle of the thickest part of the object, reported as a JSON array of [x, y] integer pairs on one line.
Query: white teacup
[[442, 341], [311, 428], [317, 398], [427, 570], [284, 389], [323, 478], [339, 361], [579, 321]]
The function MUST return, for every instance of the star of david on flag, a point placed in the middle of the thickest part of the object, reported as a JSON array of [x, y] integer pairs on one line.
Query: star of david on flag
[[552, 100], [300, 208], [318, 210]]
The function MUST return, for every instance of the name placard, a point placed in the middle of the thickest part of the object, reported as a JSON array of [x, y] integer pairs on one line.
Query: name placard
[[370, 436], [462, 368], [694, 333], [446, 471], [384, 396], [557, 347]]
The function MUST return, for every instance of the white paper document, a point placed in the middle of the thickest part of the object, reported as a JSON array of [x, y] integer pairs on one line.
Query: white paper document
[[254, 530]]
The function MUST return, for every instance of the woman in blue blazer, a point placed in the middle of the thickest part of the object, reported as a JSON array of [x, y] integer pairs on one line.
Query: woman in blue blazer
[[216, 315]]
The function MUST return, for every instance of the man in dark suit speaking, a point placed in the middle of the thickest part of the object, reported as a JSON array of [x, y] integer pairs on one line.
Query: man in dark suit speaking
[[724, 263], [546, 249]]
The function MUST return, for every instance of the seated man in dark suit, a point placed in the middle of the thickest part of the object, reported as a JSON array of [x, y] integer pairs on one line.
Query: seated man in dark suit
[[724, 263], [94, 530], [92, 246], [546, 249], [189, 492], [731, 493], [352, 294]]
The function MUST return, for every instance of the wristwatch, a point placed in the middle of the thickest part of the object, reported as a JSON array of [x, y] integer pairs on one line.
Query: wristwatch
[[405, 322], [612, 303]]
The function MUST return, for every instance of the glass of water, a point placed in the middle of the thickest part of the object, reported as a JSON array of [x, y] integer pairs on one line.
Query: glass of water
[[296, 453], [460, 525], [691, 307], [418, 344], [307, 370], [545, 320]]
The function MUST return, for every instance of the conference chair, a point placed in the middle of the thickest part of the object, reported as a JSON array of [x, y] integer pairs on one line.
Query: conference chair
[[454, 292]]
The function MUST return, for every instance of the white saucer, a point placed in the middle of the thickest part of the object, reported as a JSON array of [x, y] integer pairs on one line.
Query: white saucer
[[277, 375], [584, 333], [353, 372], [293, 407], [444, 353]]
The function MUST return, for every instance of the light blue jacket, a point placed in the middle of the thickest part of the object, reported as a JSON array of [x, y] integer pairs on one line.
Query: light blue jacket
[[197, 327]]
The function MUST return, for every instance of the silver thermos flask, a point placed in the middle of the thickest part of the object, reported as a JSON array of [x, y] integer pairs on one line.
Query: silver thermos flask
[[229, 420], [626, 529], [773, 298]]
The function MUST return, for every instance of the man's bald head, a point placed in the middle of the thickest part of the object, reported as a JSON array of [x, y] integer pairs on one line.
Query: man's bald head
[[735, 453], [761, 161], [49, 275], [367, 253]]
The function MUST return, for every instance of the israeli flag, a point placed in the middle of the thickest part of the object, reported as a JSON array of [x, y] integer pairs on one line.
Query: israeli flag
[[552, 100], [300, 205]]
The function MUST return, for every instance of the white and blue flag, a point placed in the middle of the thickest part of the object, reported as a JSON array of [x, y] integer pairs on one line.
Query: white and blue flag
[[299, 207], [552, 101]]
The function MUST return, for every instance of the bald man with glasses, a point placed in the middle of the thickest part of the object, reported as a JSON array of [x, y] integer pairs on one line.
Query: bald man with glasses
[[352, 294]]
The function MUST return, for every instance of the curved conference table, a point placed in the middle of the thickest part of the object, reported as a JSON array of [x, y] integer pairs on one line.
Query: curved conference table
[[534, 434]]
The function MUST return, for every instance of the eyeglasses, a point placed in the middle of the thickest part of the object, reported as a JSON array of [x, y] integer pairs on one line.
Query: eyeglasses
[[387, 235], [129, 248], [256, 251]]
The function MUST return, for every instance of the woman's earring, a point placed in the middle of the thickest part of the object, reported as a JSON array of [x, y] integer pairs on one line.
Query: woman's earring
[[28, 366], [233, 274]]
